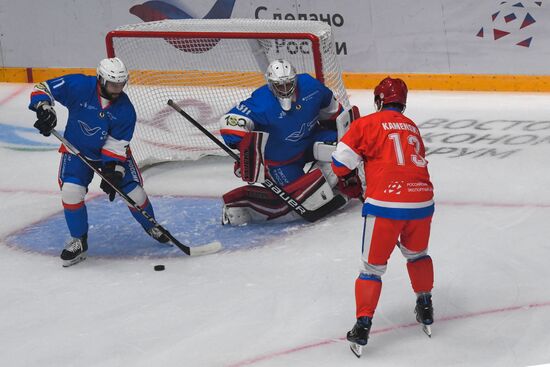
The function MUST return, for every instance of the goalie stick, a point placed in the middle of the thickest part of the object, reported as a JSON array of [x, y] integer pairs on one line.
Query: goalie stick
[[191, 251], [309, 215]]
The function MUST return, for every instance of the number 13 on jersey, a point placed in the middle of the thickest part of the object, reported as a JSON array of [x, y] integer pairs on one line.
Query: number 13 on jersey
[[417, 159]]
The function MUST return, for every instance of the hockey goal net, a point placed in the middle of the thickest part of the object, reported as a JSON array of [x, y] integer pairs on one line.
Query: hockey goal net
[[207, 67]]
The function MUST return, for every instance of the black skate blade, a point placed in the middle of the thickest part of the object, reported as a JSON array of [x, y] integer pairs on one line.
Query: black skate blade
[[356, 349], [427, 329]]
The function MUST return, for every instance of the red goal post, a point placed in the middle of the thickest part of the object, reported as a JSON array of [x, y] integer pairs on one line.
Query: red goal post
[[207, 66]]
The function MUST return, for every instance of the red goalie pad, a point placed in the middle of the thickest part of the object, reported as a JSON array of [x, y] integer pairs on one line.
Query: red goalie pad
[[265, 202], [252, 156]]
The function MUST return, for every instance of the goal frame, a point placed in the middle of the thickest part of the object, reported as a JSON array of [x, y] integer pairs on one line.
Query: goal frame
[[215, 83], [315, 42]]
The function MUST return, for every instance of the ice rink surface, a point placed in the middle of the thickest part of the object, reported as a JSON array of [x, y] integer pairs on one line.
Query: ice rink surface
[[283, 296]]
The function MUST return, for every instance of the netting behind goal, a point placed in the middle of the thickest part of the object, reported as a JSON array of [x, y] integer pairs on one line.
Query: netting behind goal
[[207, 67]]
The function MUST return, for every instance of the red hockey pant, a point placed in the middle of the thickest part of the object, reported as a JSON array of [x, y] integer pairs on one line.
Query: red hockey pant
[[380, 237]]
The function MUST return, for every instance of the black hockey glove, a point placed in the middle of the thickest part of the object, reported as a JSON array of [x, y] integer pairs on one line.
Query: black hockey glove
[[114, 173], [47, 119]]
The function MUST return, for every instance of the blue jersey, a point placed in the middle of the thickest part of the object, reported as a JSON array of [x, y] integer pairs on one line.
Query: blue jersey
[[99, 132], [291, 132]]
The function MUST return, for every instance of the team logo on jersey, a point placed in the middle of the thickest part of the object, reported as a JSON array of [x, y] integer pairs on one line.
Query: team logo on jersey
[[394, 188], [102, 115], [298, 135], [87, 130], [298, 107]]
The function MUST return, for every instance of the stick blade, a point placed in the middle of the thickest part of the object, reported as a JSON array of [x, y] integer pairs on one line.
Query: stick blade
[[206, 249]]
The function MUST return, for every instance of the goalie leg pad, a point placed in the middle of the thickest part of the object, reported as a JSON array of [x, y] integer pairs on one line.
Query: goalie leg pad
[[252, 204], [323, 151], [257, 204], [252, 156], [311, 190]]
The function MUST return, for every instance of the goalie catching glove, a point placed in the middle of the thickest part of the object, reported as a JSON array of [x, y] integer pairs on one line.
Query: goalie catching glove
[[114, 173]]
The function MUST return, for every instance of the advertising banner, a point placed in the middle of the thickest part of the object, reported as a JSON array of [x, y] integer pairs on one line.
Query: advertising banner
[[392, 36]]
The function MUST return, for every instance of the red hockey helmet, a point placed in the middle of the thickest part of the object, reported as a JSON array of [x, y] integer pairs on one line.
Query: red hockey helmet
[[390, 91]]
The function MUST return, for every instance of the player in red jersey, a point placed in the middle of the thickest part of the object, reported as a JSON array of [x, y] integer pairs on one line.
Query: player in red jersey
[[398, 202]]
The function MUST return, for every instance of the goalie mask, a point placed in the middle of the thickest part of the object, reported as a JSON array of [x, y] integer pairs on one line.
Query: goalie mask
[[112, 76], [281, 79]]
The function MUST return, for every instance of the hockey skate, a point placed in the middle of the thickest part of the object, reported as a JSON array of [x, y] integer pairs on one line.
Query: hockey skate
[[359, 335], [424, 312], [74, 251], [157, 234]]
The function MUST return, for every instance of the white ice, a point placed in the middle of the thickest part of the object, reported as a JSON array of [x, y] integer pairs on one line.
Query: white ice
[[291, 301]]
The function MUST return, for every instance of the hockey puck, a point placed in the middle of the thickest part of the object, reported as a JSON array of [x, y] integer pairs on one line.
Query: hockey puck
[[159, 267]]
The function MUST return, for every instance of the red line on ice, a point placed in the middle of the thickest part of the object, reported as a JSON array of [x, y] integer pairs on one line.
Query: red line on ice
[[442, 202], [13, 94], [270, 356]]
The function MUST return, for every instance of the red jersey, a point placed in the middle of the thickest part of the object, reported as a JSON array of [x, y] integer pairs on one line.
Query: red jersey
[[396, 172]]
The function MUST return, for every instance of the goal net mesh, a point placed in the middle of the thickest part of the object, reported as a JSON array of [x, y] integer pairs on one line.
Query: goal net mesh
[[207, 67]]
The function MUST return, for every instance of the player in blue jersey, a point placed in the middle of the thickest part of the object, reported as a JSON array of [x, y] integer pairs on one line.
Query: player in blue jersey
[[275, 131], [101, 123]]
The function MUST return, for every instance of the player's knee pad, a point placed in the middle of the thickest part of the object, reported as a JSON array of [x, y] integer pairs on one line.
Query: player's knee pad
[[138, 195], [413, 255], [373, 270], [72, 194]]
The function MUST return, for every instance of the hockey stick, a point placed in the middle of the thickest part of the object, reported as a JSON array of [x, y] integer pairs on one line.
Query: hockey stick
[[309, 215], [191, 251]]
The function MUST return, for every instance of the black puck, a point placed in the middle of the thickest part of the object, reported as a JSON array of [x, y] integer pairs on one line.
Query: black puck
[[159, 267]]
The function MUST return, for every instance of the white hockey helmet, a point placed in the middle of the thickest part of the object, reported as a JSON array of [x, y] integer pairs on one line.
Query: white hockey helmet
[[112, 70], [281, 79]]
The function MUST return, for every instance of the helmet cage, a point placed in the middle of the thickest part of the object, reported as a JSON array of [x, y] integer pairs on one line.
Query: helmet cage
[[281, 78]]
